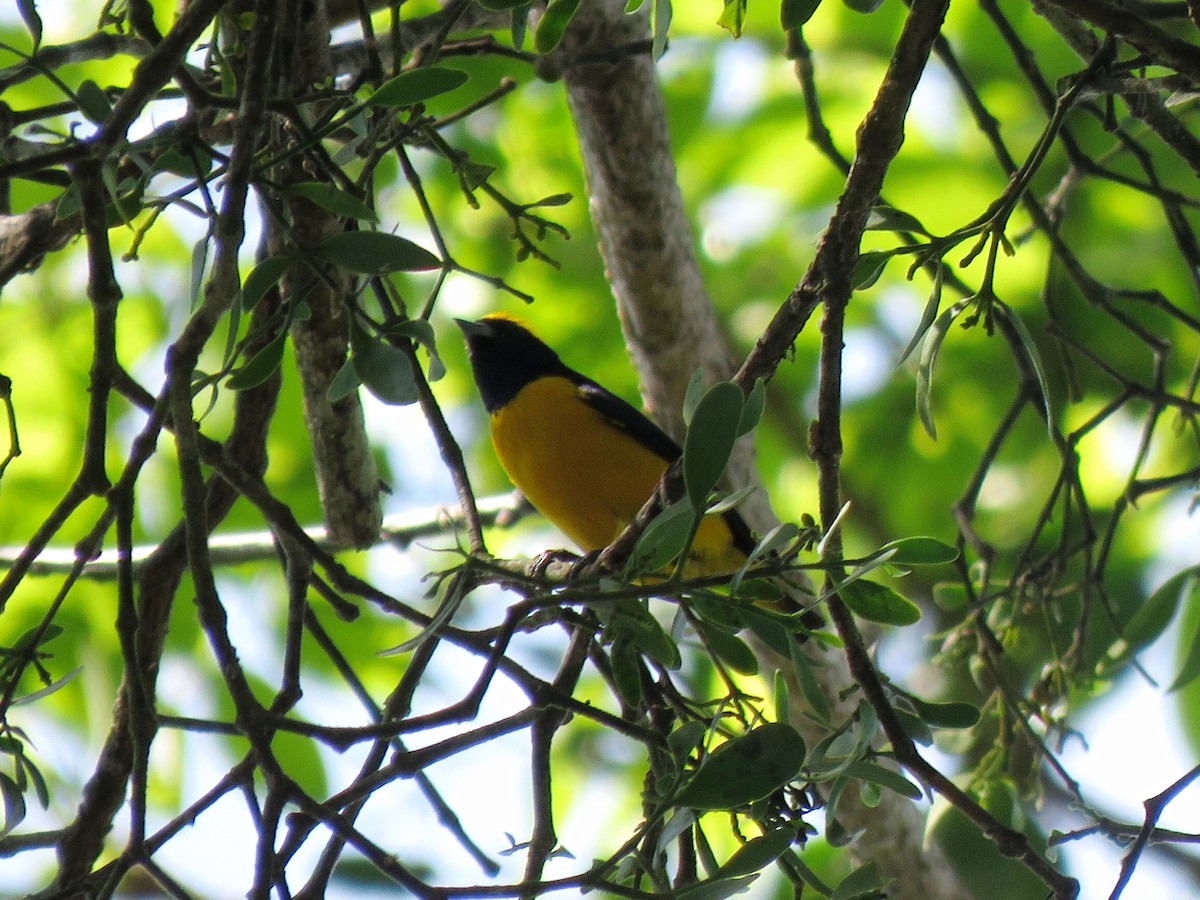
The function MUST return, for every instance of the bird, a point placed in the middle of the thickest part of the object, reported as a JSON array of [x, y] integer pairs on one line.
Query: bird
[[585, 458]]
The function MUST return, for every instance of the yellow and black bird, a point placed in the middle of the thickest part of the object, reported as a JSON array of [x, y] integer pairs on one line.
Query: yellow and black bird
[[585, 458]]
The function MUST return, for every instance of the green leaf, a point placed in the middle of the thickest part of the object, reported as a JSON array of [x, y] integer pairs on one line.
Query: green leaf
[[1029, 350], [953, 714], [14, 804], [888, 218], [1155, 614], [40, 789], [48, 689], [950, 596], [344, 383], [756, 402], [864, 6], [878, 603], [745, 769], [1190, 669], [263, 277], [552, 200], [451, 593], [193, 164], [914, 727], [868, 269], [68, 203], [709, 440], [554, 23], [660, 24], [686, 738], [261, 365], [632, 621], [783, 696], [862, 882], [626, 665], [794, 13], [929, 351], [717, 889], [692, 396], [662, 541], [729, 648], [733, 17], [333, 199], [918, 551], [730, 501], [519, 23], [93, 102], [199, 261], [928, 315], [886, 778], [421, 332], [417, 86], [377, 253], [385, 371]]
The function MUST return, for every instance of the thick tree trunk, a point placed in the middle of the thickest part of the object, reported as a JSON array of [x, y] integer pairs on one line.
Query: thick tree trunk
[[672, 330]]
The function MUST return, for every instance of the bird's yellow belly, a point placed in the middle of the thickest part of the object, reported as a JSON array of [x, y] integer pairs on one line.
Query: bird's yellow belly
[[587, 477]]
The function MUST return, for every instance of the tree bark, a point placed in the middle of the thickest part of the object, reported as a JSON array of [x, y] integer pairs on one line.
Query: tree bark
[[672, 330]]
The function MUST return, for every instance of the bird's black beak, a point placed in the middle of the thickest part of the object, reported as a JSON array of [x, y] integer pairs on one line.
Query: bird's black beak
[[473, 329]]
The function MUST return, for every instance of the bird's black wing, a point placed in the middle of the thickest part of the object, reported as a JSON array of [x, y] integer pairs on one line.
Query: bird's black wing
[[634, 423], [628, 419]]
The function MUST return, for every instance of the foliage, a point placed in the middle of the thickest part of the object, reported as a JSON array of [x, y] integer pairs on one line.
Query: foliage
[[1013, 421]]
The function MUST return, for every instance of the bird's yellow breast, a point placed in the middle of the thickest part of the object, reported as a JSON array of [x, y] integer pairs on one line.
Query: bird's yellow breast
[[587, 476]]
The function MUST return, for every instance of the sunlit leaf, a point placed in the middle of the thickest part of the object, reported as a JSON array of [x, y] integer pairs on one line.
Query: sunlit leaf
[[553, 23], [733, 17]]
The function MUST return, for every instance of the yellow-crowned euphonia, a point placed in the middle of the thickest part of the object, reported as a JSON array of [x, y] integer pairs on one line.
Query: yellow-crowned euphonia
[[585, 458]]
